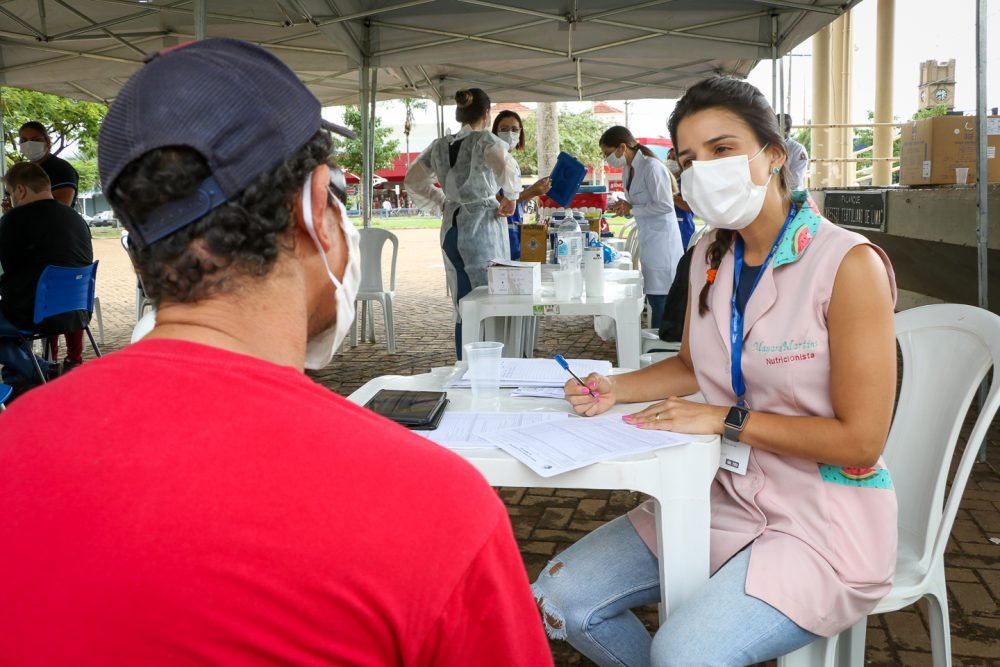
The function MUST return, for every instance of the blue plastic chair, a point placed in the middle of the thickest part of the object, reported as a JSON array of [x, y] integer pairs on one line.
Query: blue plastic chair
[[61, 290]]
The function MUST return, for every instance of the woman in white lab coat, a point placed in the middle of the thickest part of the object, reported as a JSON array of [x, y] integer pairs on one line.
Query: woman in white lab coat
[[471, 167], [650, 199]]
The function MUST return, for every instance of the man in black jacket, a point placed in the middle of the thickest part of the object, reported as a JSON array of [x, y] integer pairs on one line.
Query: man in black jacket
[[37, 232]]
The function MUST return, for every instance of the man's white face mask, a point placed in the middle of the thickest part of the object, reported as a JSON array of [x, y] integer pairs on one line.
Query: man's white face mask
[[321, 346]]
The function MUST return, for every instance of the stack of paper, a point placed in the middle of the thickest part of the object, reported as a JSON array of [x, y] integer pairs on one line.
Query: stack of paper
[[539, 372], [558, 446], [463, 430]]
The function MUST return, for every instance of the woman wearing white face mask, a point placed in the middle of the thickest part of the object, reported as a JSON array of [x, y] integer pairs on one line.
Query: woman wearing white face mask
[[508, 126], [35, 146], [650, 199], [789, 337]]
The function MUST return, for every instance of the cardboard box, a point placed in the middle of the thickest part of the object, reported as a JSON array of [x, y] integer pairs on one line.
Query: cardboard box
[[510, 277], [933, 147], [533, 242]]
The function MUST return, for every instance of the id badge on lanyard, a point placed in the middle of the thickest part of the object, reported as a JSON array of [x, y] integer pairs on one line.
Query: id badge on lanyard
[[735, 456]]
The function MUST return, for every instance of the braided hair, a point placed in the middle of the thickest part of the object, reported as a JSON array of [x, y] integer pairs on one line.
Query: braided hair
[[750, 105]]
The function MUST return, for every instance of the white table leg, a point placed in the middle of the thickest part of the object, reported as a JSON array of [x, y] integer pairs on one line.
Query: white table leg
[[628, 333], [683, 519], [471, 321]]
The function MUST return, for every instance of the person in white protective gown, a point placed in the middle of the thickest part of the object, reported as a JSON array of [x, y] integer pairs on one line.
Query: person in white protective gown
[[471, 166]]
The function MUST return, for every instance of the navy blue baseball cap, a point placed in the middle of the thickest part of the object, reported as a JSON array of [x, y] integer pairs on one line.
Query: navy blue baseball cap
[[236, 104]]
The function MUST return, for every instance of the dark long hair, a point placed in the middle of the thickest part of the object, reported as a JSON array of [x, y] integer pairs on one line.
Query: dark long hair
[[507, 113], [472, 104], [750, 105], [613, 137]]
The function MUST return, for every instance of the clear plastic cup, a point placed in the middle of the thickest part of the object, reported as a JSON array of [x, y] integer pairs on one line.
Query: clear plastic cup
[[484, 368], [565, 283], [961, 175]]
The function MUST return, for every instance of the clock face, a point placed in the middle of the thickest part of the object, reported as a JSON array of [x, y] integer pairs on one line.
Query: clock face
[[940, 94]]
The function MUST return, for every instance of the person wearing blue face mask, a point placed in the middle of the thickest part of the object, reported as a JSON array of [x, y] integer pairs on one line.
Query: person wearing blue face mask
[[648, 197], [508, 126]]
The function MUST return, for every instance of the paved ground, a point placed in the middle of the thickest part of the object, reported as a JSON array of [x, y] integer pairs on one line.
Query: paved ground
[[547, 521]]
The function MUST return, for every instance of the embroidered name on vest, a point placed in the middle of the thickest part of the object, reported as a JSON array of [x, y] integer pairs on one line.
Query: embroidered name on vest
[[787, 351]]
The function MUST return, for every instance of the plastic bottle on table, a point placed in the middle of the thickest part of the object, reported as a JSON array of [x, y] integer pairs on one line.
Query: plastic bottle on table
[[570, 252]]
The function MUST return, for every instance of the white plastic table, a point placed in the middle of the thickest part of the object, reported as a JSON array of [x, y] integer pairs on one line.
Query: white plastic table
[[622, 301], [678, 478]]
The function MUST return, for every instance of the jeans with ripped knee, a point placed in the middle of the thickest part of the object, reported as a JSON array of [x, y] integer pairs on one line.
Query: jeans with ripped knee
[[587, 592]]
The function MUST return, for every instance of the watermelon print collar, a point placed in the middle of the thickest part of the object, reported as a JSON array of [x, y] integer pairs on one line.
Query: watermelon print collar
[[800, 232]]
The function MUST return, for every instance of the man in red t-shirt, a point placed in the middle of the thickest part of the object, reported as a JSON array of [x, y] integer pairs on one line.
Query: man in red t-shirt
[[215, 506]]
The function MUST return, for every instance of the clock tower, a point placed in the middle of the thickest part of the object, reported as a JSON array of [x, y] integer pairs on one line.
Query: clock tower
[[937, 84]]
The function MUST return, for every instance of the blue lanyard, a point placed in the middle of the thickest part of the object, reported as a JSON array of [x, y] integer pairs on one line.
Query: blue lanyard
[[736, 319]]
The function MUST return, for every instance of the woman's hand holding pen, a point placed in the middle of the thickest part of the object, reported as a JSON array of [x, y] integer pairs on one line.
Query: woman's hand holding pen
[[583, 402], [682, 416]]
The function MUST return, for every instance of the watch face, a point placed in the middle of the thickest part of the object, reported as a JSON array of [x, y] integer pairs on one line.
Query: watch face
[[737, 417]]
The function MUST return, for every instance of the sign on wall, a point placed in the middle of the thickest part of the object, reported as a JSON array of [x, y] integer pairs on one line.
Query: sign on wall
[[857, 209]]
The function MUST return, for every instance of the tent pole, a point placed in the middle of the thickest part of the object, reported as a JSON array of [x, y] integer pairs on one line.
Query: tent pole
[[774, 60], [200, 18], [369, 142], [366, 181], [982, 205]]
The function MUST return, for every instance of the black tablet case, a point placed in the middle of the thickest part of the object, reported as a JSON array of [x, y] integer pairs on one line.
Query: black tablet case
[[418, 410]]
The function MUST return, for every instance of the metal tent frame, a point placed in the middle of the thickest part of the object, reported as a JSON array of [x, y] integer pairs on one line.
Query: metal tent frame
[[361, 51]]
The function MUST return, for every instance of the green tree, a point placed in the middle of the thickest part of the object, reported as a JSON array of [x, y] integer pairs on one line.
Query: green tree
[[87, 169], [803, 135], [865, 137], [527, 159], [68, 121], [578, 135], [349, 150], [936, 110]]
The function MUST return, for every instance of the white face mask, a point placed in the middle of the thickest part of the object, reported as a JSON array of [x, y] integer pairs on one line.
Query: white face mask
[[33, 150], [722, 193], [616, 161], [674, 167], [320, 348], [511, 138]]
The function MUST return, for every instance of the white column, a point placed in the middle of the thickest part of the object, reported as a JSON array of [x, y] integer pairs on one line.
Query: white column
[[885, 37]]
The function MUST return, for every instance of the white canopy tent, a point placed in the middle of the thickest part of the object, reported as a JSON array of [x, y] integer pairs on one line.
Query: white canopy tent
[[351, 51]]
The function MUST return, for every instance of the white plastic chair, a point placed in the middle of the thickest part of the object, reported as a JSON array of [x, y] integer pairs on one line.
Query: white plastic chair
[[947, 350], [142, 302], [631, 234], [372, 288]]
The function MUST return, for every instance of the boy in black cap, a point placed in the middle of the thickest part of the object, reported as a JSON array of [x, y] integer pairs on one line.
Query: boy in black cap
[[214, 508]]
